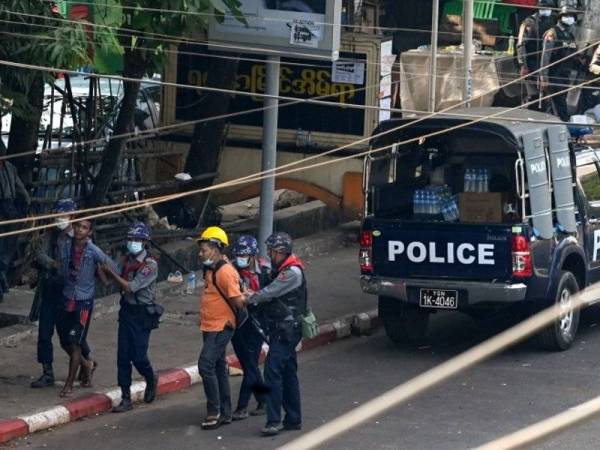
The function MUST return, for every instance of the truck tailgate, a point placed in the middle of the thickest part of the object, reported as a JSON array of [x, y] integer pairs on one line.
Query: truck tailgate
[[441, 250]]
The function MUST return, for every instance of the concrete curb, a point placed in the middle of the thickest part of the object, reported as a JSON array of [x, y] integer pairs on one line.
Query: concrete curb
[[170, 380]]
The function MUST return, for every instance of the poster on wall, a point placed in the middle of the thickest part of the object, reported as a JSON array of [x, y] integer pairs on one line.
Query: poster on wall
[[308, 28], [348, 72]]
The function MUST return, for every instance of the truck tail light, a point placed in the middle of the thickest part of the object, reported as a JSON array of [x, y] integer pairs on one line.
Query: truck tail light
[[521, 257], [365, 257]]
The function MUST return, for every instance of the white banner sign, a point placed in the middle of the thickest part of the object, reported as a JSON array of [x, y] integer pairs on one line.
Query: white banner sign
[[348, 72]]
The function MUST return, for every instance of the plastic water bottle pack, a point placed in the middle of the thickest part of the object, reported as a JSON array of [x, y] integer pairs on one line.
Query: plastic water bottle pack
[[450, 209], [476, 180]]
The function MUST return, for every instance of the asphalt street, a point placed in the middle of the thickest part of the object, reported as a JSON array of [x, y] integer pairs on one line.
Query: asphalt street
[[516, 388]]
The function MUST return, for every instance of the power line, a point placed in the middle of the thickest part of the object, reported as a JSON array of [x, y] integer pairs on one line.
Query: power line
[[276, 171], [273, 19], [362, 140], [290, 63]]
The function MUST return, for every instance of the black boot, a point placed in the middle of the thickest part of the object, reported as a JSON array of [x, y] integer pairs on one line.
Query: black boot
[[47, 378], [126, 404], [151, 385]]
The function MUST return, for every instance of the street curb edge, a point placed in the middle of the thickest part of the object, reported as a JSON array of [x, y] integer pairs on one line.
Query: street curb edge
[[170, 380]]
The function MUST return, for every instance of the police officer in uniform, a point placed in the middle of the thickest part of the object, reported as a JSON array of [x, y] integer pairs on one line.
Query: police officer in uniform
[[51, 284], [559, 43], [530, 43], [284, 302], [138, 288]]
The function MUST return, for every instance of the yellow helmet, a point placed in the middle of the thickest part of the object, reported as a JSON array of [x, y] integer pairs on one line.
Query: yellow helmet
[[214, 234]]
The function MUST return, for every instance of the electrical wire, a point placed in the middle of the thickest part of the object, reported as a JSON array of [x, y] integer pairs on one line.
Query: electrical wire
[[242, 179], [275, 172]]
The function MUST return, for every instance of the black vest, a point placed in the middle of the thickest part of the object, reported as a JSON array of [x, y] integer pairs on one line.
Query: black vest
[[294, 303], [535, 39], [564, 46]]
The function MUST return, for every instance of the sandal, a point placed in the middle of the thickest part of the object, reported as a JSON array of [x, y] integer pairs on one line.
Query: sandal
[[66, 392], [211, 422], [87, 377]]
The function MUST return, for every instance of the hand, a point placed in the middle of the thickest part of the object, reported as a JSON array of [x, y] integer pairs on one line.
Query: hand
[[524, 71], [56, 265], [595, 69], [544, 85], [107, 269]]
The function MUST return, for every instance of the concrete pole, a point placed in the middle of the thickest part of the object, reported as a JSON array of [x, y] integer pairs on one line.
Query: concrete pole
[[269, 152], [468, 50], [435, 20]]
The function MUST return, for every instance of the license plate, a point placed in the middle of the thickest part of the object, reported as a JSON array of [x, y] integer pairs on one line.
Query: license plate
[[438, 298]]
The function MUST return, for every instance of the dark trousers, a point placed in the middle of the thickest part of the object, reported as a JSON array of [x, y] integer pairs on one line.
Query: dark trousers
[[559, 102], [133, 340], [213, 370], [50, 310], [247, 343], [281, 378], [8, 244]]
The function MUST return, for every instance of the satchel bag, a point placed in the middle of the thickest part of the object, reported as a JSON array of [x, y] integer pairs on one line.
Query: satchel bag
[[310, 327], [241, 314]]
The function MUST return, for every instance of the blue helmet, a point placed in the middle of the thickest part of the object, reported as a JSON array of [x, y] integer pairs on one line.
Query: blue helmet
[[139, 230], [280, 241], [245, 246], [65, 205]]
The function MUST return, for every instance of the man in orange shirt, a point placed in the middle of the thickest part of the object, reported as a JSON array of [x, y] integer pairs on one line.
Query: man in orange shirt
[[222, 296]]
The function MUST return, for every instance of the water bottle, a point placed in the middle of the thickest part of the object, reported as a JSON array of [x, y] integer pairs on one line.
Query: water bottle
[[468, 181], [191, 283], [416, 202], [486, 181]]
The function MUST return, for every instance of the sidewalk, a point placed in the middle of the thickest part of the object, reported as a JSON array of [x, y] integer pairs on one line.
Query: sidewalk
[[334, 292]]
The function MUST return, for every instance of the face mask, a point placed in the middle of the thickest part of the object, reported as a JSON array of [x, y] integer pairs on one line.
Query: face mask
[[242, 262], [207, 262], [545, 12], [568, 21], [62, 223], [134, 247]]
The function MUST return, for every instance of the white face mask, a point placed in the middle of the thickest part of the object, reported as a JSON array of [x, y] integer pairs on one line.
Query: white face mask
[[134, 247], [568, 20], [545, 12], [242, 262], [207, 262], [62, 223]]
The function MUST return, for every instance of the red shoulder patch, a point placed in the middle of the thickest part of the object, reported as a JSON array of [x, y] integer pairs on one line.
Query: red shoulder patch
[[147, 270]]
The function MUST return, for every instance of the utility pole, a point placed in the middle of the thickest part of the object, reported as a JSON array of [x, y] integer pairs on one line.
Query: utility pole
[[269, 152], [468, 51], [435, 20]]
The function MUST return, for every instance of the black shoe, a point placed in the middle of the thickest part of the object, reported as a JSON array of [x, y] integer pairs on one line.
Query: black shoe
[[292, 426], [150, 392], [124, 406], [271, 429], [240, 414], [226, 420], [260, 410], [46, 380]]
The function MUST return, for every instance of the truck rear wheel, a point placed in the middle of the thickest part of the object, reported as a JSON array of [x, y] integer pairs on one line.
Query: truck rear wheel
[[404, 324], [561, 334]]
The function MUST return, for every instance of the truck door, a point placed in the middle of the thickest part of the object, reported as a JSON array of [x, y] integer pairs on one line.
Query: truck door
[[589, 180]]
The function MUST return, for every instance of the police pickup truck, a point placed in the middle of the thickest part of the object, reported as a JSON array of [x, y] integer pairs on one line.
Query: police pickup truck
[[503, 212]]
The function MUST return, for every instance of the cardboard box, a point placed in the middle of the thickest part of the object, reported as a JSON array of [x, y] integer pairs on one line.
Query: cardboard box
[[482, 207]]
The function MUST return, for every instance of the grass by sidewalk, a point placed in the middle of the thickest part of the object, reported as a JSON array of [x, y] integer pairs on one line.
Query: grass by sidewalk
[[334, 292]]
